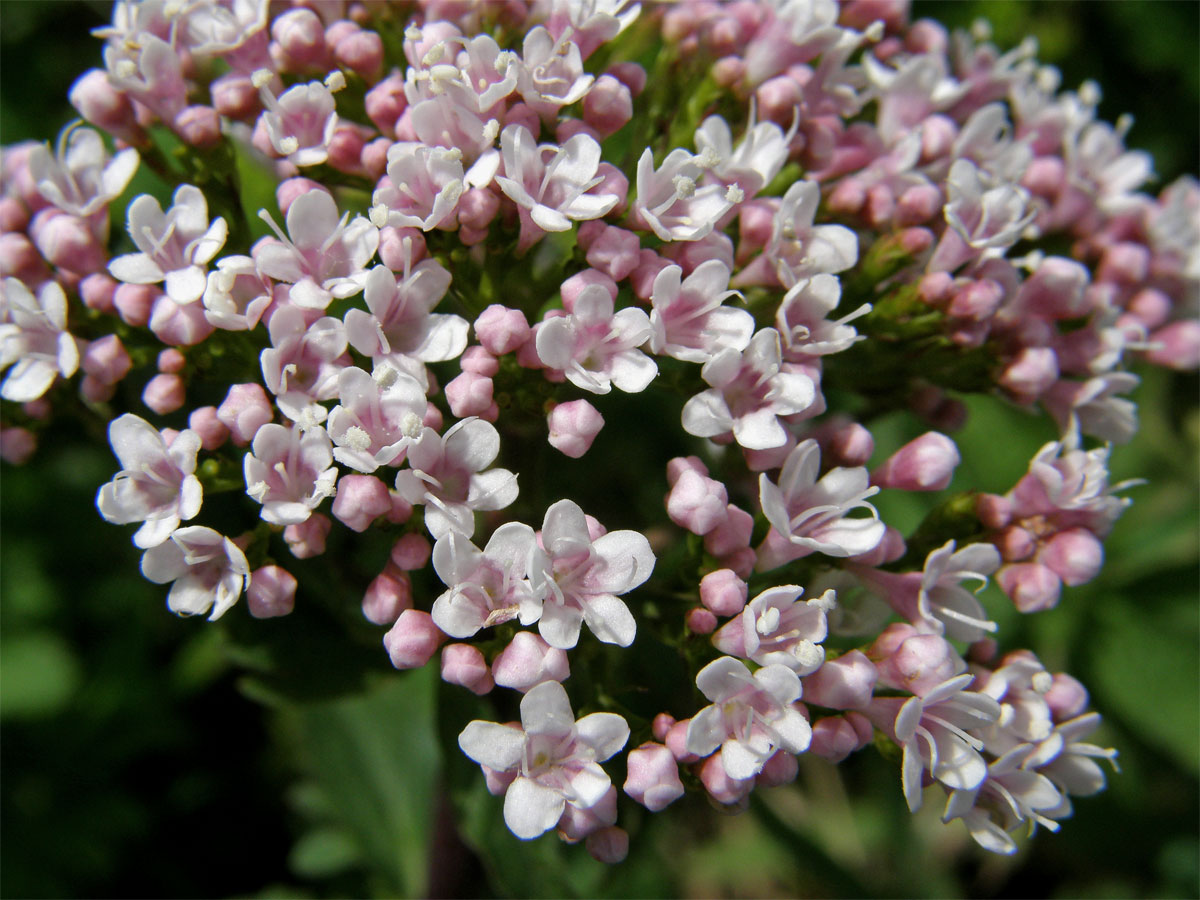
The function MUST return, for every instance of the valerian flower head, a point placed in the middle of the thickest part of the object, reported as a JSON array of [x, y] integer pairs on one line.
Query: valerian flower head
[[552, 759], [156, 485], [176, 246]]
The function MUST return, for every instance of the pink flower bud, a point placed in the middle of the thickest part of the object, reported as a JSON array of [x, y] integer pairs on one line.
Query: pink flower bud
[[464, 665], [183, 325], [476, 359], [849, 197], [360, 500], [212, 430], [1031, 586], [653, 777], [361, 53], [697, 503], [781, 768], [299, 41], [1124, 263], [469, 394], [720, 786], [648, 267], [67, 241], [681, 464], [14, 215], [17, 445], [661, 725], [1151, 306], [778, 97], [93, 390], [1075, 556], [413, 640], [385, 103], [134, 302], [433, 415], [847, 682], [387, 596], [393, 251], [608, 845], [100, 103], [993, 510], [938, 134], [235, 96], [924, 464], [730, 535], [106, 359], [374, 157], [616, 252], [920, 663], [568, 128], [199, 126], [976, 300], [676, 742], [346, 149], [608, 105], [700, 621], [580, 281], [477, 207], [612, 181], [401, 510], [307, 539], [723, 592], [20, 259], [847, 444], [291, 189], [528, 661], [97, 290], [881, 204], [411, 552], [1015, 544], [1177, 346], [1031, 373], [729, 71], [630, 74], [164, 393], [833, 738], [245, 409], [918, 205], [1067, 698], [272, 592], [501, 330], [690, 254], [171, 361], [573, 426]]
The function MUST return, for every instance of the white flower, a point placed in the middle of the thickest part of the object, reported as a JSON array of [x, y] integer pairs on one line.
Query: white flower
[[688, 320], [555, 759], [751, 716], [301, 123], [486, 587], [289, 472], [943, 603], [80, 178], [579, 578], [777, 628], [209, 571], [377, 417], [670, 202], [34, 339], [156, 485], [175, 246], [422, 187]]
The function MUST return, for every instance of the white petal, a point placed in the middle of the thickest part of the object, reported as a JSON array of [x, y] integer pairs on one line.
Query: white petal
[[530, 809]]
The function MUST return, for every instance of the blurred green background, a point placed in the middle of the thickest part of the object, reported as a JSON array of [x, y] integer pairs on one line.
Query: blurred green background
[[146, 755]]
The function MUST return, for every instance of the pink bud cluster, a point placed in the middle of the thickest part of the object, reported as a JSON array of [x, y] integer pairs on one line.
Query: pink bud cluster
[[567, 267]]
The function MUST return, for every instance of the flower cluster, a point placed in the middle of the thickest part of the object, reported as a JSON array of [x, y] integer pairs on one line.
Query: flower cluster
[[804, 215]]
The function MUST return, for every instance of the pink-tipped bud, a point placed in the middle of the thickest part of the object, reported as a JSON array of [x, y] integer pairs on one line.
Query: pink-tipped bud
[[400, 246], [362, 54], [235, 96], [292, 189], [1067, 698], [661, 725], [17, 445], [890, 549], [66, 241], [607, 106], [976, 300], [581, 281], [272, 592], [360, 500], [630, 74], [299, 41], [184, 325], [607, 845], [833, 738], [848, 197], [106, 359], [612, 181], [528, 661], [778, 98], [1075, 556], [1032, 587], [697, 503], [681, 464], [501, 330], [688, 255], [464, 665], [469, 394], [938, 134], [373, 160], [164, 393], [1015, 544], [1031, 373], [199, 126], [476, 359], [388, 595], [134, 302], [729, 71], [1124, 263], [94, 97], [97, 291], [720, 786], [920, 663], [171, 361], [924, 464], [781, 768], [616, 252], [731, 535], [212, 430], [307, 539], [723, 592], [994, 511], [700, 621], [918, 205], [653, 777], [1177, 346], [93, 390], [847, 682], [14, 215], [411, 552], [477, 207], [413, 640], [846, 444], [642, 278], [1151, 307], [676, 741], [568, 128], [573, 426], [386, 102], [246, 408], [346, 149]]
